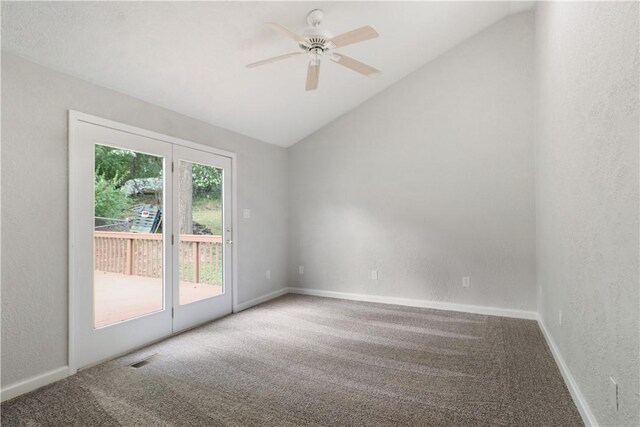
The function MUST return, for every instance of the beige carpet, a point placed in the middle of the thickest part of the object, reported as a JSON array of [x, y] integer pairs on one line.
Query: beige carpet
[[301, 360]]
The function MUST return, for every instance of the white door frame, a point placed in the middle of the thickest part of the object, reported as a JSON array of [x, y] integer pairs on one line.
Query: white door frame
[[76, 117]]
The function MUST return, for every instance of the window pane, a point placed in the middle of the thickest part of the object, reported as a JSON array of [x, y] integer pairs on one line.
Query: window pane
[[128, 242], [200, 221]]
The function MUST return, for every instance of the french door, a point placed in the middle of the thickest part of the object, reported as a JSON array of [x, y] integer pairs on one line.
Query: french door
[[150, 239], [202, 257]]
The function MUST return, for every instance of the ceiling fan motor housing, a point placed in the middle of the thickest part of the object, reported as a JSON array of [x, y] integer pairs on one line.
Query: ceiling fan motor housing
[[317, 36]]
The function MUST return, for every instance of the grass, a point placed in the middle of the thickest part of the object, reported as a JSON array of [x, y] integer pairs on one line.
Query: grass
[[208, 212]]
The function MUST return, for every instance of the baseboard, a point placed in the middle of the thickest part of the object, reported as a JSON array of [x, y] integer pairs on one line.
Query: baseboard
[[30, 384], [438, 305], [260, 300], [589, 419], [578, 398], [33, 383]]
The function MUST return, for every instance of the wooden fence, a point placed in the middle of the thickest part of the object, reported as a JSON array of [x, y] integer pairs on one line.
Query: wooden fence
[[140, 254]]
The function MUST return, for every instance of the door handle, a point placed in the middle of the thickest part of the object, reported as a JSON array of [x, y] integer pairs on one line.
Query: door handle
[[229, 242]]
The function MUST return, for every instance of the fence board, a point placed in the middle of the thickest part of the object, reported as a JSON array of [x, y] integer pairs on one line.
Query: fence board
[[141, 254]]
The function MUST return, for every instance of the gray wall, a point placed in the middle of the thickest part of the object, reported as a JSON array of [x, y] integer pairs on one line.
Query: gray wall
[[427, 182], [430, 181], [35, 101], [587, 196]]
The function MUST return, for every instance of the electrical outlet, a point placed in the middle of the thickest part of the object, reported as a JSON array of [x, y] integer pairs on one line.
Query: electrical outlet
[[301, 269], [466, 282], [616, 392], [268, 274], [560, 318], [246, 213], [374, 275]]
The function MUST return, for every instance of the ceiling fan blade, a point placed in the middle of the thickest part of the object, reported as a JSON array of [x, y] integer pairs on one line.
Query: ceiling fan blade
[[356, 66], [274, 59], [285, 32], [359, 35], [313, 73]]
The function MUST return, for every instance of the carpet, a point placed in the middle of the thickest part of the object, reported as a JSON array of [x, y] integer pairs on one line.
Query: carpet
[[310, 361]]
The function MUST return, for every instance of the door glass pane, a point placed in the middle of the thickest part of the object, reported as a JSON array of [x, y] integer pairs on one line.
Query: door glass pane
[[128, 242], [200, 224]]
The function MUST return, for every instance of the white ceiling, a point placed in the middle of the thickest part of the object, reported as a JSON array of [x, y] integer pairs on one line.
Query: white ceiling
[[190, 56]]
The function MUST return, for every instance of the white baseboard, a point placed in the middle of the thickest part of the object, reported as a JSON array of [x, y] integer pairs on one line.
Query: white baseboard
[[260, 300], [33, 383], [30, 384], [579, 400], [583, 407], [438, 305], [589, 419]]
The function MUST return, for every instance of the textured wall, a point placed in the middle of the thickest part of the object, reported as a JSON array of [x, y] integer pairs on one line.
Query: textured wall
[[430, 181], [587, 196], [35, 101]]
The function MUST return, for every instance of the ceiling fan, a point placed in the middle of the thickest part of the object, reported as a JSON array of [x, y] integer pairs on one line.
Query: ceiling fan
[[318, 43]]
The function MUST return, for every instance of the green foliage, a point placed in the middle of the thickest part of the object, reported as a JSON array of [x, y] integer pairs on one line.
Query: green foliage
[[207, 179], [119, 165], [110, 201], [114, 167]]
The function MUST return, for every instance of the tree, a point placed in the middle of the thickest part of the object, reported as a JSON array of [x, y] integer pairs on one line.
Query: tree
[[123, 165], [185, 197], [118, 166], [110, 201], [207, 179]]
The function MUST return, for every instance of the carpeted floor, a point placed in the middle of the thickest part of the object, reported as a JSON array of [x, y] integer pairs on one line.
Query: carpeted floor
[[310, 361]]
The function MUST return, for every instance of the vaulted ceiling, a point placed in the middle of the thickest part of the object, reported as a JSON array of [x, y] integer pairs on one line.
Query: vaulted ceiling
[[190, 56]]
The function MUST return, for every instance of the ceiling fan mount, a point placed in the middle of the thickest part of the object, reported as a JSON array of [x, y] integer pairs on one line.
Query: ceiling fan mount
[[314, 18], [319, 42]]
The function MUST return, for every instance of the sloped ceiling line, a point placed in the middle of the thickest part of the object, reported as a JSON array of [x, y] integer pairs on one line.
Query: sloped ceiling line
[[190, 56]]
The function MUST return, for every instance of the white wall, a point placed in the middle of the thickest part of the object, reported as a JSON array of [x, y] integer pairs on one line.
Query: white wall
[[35, 101], [430, 181], [587, 196]]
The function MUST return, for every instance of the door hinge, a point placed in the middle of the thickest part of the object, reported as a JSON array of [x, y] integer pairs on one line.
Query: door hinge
[[172, 312], [172, 239], [172, 166]]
